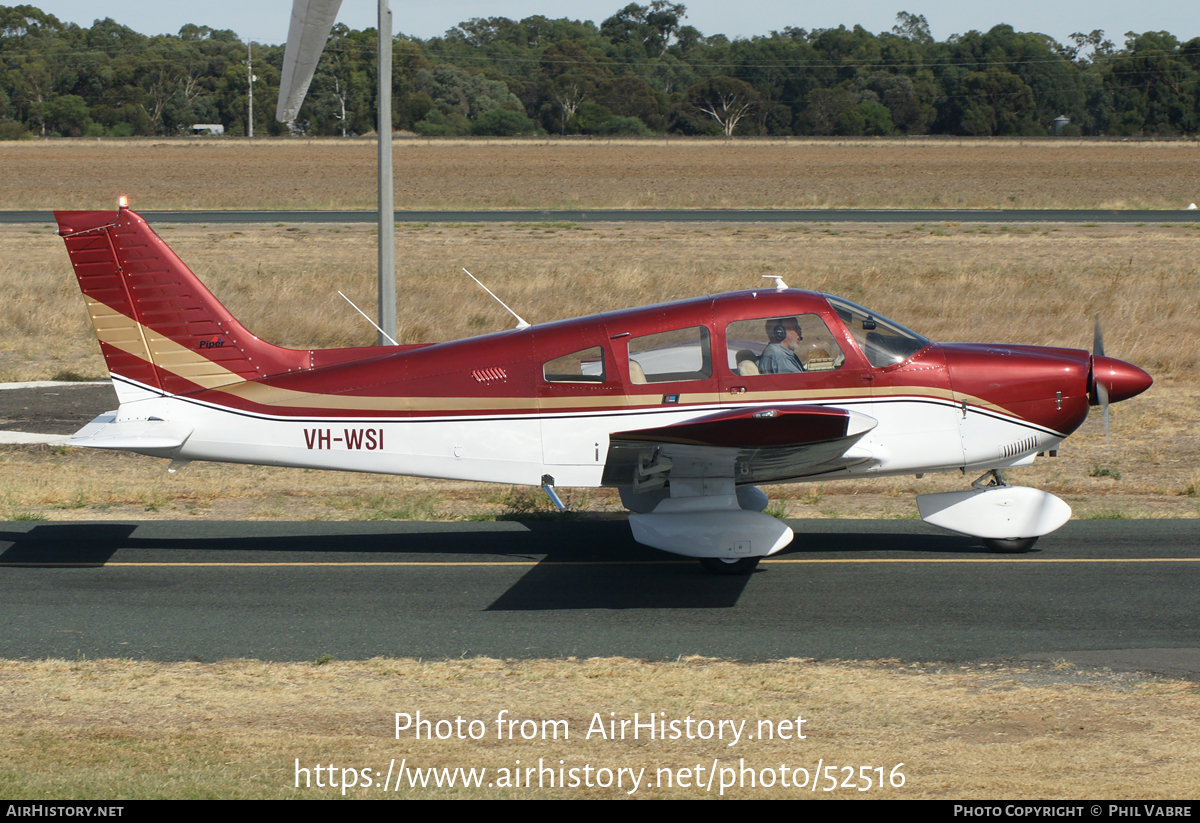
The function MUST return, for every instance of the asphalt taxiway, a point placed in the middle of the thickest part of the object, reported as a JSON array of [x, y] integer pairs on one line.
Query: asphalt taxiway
[[1124, 594], [51, 409]]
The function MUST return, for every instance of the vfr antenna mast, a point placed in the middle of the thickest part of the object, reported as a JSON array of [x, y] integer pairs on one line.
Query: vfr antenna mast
[[391, 339], [521, 324]]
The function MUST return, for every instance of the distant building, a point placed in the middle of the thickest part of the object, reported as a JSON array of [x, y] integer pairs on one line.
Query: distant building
[[208, 128]]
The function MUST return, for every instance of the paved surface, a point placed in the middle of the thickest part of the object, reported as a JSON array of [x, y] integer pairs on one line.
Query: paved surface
[[1124, 594], [1120, 594], [53, 408], [659, 216]]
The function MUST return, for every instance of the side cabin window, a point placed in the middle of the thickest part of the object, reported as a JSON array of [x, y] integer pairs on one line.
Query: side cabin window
[[584, 366], [883, 341], [682, 354], [782, 345]]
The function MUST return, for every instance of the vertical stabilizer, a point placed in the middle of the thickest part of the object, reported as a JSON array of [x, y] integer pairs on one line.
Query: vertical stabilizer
[[160, 329]]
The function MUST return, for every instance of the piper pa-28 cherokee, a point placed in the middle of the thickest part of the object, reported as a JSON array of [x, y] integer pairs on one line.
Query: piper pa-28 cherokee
[[683, 407]]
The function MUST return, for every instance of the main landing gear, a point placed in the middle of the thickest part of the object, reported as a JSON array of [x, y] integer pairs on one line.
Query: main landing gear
[[719, 565], [1011, 545]]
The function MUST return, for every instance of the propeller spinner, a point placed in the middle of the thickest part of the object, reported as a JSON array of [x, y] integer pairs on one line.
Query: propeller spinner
[[1112, 380]]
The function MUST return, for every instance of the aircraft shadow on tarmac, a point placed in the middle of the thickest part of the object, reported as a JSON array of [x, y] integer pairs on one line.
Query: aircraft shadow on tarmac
[[577, 564], [563, 581]]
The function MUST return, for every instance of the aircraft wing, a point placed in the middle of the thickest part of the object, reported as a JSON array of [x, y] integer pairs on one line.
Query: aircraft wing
[[752, 445]]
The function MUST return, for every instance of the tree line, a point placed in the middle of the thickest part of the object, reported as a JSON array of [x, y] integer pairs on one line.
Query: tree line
[[641, 71]]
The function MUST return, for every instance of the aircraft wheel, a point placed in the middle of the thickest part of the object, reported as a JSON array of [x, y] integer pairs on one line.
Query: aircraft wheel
[[719, 565], [1011, 545]]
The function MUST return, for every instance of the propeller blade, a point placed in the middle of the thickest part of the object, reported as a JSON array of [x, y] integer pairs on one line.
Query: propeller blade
[[1101, 389], [1102, 394], [312, 20]]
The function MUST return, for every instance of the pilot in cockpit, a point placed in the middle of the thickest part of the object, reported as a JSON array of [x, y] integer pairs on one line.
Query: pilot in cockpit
[[779, 357]]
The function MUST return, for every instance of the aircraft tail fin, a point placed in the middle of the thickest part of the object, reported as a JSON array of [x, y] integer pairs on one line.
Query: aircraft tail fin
[[160, 329]]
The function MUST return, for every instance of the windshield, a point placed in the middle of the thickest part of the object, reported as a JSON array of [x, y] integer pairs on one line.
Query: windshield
[[883, 342]]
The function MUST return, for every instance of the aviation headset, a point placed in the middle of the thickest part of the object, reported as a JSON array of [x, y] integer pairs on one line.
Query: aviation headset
[[779, 331]]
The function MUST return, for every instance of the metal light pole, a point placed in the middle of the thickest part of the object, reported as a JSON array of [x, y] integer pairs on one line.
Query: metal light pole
[[387, 209], [250, 82]]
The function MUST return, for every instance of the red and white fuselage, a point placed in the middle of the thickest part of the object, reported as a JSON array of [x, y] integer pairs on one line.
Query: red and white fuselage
[[664, 402]]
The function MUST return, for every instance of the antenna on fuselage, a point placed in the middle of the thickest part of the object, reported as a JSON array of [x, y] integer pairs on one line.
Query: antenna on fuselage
[[779, 284], [369, 320], [521, 323]]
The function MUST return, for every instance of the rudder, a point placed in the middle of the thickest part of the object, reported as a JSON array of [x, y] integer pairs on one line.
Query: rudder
[[159, 327]]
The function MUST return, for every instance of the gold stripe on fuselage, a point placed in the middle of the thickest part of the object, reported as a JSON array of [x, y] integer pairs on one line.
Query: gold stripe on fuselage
[[126, 334]]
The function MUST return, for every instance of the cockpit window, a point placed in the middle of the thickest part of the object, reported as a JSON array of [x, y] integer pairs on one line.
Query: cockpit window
[[781, 345], [884, 342]]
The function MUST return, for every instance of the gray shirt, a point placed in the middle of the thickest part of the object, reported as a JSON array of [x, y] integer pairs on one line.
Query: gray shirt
[[779, 359]]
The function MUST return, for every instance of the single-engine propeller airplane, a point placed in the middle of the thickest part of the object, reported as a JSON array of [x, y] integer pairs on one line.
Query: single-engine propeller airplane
[[683, 407]]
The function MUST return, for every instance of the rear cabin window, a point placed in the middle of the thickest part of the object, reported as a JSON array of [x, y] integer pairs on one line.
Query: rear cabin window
[[778, 345], [682, 354], [585, 366]]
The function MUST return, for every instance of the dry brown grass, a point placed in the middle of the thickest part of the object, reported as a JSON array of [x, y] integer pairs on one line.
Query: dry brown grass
[[57, 483], [125, 729], [1020, 284], [1016, 284], [335, 174]]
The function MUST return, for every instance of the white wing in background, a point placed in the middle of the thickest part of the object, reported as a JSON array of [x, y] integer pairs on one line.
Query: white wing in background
[[312, 20]]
